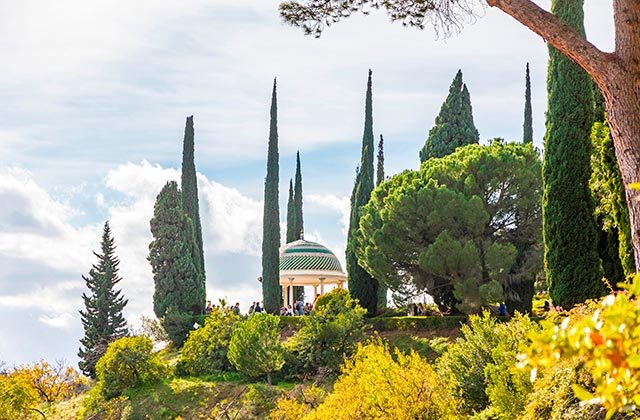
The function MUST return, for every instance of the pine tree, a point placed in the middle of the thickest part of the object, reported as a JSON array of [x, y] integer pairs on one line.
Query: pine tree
[[271, 219], [190, 194], [454, 124], [291, 216], [572, 264], [173, 254], [527, 127], [102, 318], [382, 288], [361, 285]]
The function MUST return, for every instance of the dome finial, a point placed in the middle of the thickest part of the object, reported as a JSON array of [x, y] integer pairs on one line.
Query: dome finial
[[302, 234]]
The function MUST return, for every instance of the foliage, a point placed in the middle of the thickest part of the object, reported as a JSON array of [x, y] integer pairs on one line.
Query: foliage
[[607, 339], [102, 317], [179, 290], [291, 215], [129, 362], [416, 323], [329, 334], [362, 285], [271, 218], [457, 224], [152, 328], [382, 288], [480, 364], [297, 199], [295, 407], [454, 124], [572, 263], [611, 210], [255, 348], [527, 126], [378, 384], [189, 186], [260, 398], [17, 397], [51, 382], [205, 350]]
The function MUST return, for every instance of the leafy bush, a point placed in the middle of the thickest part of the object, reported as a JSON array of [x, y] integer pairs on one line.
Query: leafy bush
[[128, 363], [480, 364], [330, 333], [259, 399], [51, 382], [377, 384], [255, 348], [416, 323], [606, 336], [205, 351], [296, 405], [17, 397]]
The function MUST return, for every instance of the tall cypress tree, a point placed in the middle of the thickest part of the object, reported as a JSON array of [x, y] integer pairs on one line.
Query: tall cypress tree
[[361, 285], [271, 219], [190, 194], [291, 216], [572, 264], [527, 127], [173, 254], [102, 318], [297, 199], [382, 288], [454, 124]]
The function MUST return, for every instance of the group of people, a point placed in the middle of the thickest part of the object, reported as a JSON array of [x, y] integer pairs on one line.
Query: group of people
[[209, 308], [298, 308]]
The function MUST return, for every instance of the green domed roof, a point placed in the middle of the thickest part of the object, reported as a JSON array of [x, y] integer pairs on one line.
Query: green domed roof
[[304, 255]]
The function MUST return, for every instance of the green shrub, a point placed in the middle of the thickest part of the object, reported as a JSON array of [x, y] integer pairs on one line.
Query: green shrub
[[255, 348], [177, 325], [205, 351], [17, 396], [330, 333], [416, 323], [481, 365], [129, 362], [260, 399]]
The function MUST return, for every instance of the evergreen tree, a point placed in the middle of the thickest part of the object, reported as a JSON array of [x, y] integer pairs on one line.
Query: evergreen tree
[[527, 128], [297, 199], [102, 318], [298, 291], [190, 194], [572, 264], [291, 216], [271, 219], [173, 254], [382, 288], [361, 285], [380, 166], [454, 124]]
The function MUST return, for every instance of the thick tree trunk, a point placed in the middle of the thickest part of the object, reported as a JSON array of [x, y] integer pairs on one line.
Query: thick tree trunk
[[617, 74]]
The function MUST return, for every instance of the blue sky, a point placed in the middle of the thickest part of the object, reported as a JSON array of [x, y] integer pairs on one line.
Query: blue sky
[[94, 98]]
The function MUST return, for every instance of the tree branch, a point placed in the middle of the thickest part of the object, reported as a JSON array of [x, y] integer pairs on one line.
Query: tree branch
[[561, 36]]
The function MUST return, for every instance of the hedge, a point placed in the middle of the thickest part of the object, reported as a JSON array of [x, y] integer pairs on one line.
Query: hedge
[[413, 323]]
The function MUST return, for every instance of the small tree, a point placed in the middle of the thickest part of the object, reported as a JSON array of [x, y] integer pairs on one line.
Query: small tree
[[102, 317], [52, 382], [255, 348], [128, 363]]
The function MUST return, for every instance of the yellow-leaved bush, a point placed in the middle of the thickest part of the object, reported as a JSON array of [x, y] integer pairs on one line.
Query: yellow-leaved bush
[[376, 384], [607, 338]]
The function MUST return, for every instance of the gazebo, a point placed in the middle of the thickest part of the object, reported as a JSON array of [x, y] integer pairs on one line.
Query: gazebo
[[306, 263]]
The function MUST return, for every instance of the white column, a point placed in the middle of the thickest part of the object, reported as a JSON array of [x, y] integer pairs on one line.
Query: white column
[[284, 295], [315, 291], [322, 285], [291, 292]]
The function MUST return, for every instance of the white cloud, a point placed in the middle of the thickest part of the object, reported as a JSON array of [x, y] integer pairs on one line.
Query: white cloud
[[333, 203]]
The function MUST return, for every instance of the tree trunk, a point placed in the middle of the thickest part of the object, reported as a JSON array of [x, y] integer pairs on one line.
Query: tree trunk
[[623, 111]]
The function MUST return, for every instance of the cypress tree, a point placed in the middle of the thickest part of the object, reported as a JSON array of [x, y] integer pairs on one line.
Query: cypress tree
[[382, 288], [298, 291], [527, 127], [190, 194], [572, 264], [380, 166], [361, 285], [291, 216], [271, 219], [297, 199], [102, 318], [173, 254], [454, 125]]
